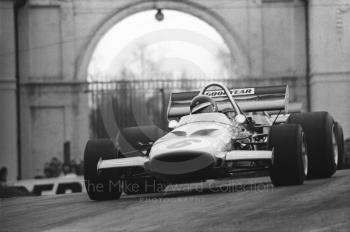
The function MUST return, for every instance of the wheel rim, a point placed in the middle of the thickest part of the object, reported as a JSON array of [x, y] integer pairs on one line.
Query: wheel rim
[[304, 156], [335, 146]]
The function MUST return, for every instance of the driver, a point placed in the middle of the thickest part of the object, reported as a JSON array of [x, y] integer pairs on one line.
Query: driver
[[203, 104]]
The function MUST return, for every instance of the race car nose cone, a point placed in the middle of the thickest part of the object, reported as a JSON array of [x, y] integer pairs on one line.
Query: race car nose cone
[[181, 156], [178, 163]]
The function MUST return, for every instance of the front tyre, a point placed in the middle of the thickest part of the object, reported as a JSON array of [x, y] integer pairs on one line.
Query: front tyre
[[100, 186], [289, 161]]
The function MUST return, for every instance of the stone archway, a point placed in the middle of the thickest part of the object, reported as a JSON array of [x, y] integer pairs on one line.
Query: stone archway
[[231, 38]]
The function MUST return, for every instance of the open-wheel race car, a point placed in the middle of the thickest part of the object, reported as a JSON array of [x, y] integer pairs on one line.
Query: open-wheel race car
[[215, 133]]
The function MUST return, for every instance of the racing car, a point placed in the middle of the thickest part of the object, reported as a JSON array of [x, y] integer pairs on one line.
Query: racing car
[[216, 133]]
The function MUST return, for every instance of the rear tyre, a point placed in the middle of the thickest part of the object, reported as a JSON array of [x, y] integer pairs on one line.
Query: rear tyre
[[340, 141], [105, 185], [321, 142], [289, 162], [143, 185]]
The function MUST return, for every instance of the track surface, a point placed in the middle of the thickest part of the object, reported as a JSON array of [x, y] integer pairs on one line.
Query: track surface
[[250, 205]]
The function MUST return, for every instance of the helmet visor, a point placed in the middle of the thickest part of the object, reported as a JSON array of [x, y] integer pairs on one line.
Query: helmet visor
[[200, 107]]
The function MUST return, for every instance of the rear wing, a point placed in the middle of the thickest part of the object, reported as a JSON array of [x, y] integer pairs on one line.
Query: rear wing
[[269, 98]]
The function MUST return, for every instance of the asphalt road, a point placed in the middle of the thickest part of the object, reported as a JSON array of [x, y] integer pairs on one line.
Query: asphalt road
[[227, 205]]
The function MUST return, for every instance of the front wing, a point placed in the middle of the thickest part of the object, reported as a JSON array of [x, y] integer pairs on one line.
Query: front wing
[[139, 161]]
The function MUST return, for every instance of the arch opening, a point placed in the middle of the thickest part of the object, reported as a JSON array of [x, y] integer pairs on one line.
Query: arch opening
[[233, 41], [150, 60], [181, 46]]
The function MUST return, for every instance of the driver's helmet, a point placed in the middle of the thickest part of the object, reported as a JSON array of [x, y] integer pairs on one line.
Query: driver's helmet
[[203, 104]]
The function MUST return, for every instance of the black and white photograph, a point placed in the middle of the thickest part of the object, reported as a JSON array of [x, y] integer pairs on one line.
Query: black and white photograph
[[175, 115]]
